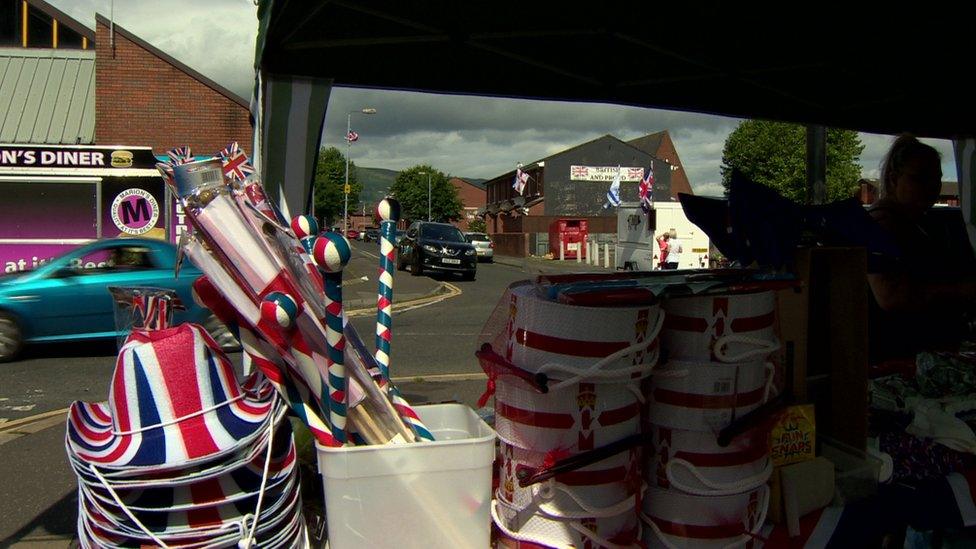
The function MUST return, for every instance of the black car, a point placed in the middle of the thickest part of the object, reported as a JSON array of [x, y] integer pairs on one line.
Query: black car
[[372, 235], [441, 247]]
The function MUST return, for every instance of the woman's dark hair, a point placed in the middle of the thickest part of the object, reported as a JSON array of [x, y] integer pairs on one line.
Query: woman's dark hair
[[902, 150]]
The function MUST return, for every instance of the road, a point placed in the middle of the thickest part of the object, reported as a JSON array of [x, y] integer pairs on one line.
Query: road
[[432, 353], [434, 340]]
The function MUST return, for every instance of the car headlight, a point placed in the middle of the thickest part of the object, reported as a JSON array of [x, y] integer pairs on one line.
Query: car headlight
[[469, 252], [431, 249]]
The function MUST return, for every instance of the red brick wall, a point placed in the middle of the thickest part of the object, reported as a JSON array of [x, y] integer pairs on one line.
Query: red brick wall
[[471, 197], [143, 99], [679, 180]]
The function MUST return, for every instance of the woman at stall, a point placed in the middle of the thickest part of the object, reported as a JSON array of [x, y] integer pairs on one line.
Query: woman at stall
[[917, 301]]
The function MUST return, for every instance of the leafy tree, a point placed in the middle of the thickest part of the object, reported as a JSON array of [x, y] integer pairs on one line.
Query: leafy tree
[[330, 176], [410, 188], [477, 225], [774, 154]]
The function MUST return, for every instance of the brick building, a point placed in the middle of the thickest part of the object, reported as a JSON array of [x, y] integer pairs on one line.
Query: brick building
[[573, 184], [146, 97], [472, 199], [71, 98]]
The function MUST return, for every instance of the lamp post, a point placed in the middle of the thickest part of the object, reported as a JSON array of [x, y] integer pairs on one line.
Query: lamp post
[[428, 193], [345, 187]]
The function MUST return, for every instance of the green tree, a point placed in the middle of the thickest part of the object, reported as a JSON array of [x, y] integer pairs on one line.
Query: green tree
[[774, 154], [330, 176], [410, 188], [477, 225]]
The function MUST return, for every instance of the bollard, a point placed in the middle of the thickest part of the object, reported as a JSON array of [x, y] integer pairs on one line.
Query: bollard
[[579, 252], [606, 256], [562, 250]]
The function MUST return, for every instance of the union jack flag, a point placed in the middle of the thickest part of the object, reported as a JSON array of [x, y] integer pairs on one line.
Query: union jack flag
[[646, 190], [521, 180], [635, 173], [352, 136], [235, 162], [580, 172], [180, 155]]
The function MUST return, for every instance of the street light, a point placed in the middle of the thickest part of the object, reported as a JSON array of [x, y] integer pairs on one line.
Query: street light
[[345, 188], [428, 192]]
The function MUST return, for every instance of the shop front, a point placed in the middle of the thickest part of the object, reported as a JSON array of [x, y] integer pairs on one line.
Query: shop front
[[56, 198]]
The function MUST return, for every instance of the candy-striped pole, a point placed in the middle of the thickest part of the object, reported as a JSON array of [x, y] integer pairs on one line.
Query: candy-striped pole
[[388, 211], [332, 253]]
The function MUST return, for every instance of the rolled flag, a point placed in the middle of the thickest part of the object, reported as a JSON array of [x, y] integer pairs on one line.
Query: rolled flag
[[646, 190], [613, 195]]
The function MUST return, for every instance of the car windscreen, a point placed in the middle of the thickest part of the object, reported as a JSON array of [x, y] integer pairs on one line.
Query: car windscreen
[[444, 233], [477, 237]]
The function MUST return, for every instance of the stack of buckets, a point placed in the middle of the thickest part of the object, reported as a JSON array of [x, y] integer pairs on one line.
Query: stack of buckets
[[594, 359], [717, 368]]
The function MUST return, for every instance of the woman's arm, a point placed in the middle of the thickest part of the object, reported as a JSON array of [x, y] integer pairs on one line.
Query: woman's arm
[[899, 292]]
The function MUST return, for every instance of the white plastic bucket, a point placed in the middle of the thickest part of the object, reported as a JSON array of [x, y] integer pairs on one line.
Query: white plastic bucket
[[562, 340], [724, 328], [575, 418], [693, 462], [421, 495], [674, 519], [706, 396]]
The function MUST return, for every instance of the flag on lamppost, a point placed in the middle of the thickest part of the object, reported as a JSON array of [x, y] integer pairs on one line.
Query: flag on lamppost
[[352, 136]]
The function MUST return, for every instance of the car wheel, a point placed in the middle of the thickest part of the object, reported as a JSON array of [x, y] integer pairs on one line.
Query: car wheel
[[416, 268], [220, 333], [11, 340], [469, 275]]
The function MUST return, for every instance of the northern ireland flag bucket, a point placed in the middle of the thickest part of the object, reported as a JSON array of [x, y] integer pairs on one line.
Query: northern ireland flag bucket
[[673, 519], [706, 396], [725, 328], [572, 343], [693, 462], [606, 488], [576, 418]]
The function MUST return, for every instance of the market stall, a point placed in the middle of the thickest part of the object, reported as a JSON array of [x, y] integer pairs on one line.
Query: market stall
[[667, 409]]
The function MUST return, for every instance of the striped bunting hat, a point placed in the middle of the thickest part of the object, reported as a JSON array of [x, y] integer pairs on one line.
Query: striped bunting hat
[[174, 402]]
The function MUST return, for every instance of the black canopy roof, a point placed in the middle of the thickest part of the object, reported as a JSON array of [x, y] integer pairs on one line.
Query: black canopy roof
[[884, 68]]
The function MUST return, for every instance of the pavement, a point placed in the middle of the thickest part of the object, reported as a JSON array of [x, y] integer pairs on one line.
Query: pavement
[[31, 450]]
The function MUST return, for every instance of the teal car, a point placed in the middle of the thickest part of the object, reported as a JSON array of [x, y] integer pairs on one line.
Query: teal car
[[67, 299]]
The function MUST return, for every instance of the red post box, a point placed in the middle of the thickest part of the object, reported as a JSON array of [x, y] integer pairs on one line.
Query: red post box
[[572, 234]]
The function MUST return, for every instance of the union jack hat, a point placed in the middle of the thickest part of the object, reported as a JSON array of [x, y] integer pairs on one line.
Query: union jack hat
[[174, 402]]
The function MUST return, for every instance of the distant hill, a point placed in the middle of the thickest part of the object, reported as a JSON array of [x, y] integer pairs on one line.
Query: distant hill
[[376, 182]]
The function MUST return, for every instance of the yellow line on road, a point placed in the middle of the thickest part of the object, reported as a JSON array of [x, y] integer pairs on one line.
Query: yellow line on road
[[452, 291], [18, 424]]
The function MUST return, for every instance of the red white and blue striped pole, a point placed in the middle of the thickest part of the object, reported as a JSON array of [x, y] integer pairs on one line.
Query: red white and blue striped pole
[[332, 253], [388, 211]]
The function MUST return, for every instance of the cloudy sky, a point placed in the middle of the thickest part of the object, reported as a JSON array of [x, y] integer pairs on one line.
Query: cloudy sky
[[465, 136]]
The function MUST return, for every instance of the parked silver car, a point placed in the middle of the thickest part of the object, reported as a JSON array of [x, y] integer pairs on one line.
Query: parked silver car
[[482, 245]]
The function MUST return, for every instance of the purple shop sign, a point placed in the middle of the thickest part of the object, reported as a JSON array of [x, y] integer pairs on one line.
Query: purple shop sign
[[27, 257]]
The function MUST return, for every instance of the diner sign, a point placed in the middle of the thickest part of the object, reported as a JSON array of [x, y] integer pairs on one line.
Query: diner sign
[[28, 156], [605, 173]]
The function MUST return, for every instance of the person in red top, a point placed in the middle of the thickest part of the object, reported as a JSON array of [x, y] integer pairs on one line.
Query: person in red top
[[662, 242]]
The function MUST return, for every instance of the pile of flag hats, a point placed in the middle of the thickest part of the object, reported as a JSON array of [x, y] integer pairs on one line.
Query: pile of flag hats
[[566, 381], [718, 349], [181, 454]]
